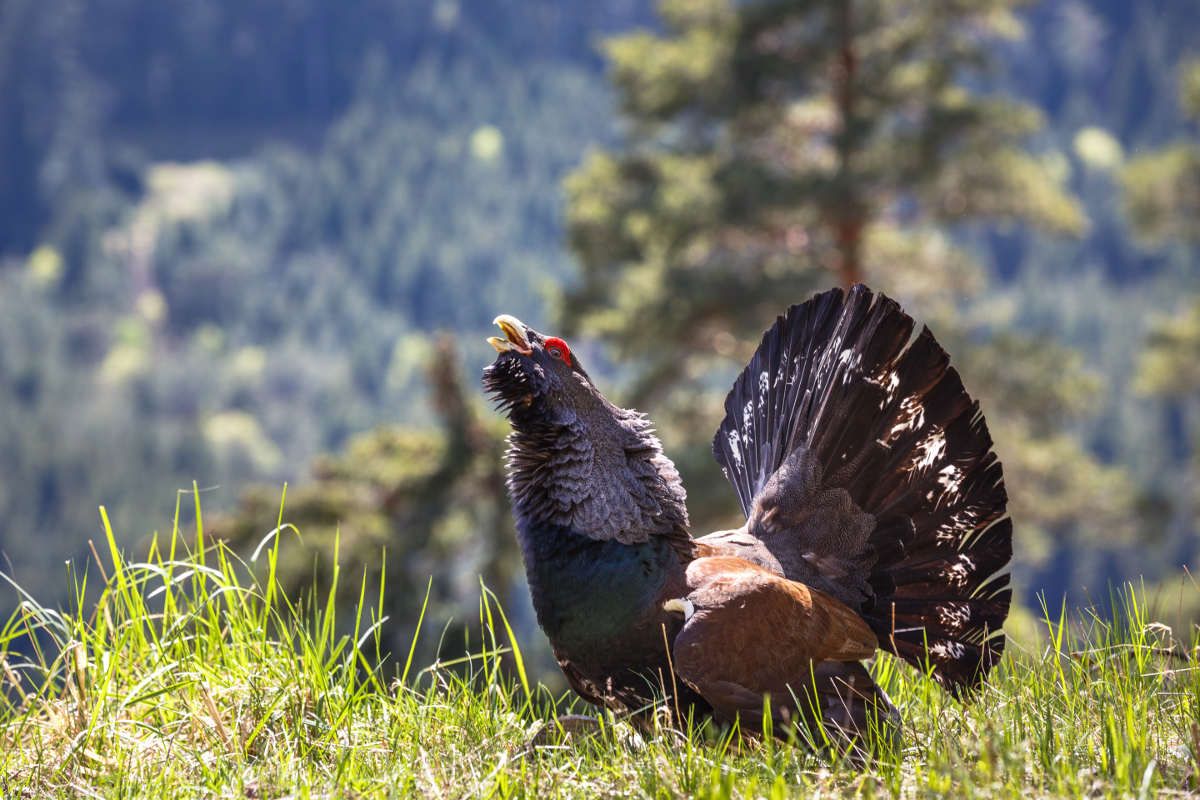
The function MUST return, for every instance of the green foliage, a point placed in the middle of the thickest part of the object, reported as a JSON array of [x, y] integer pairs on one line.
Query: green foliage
[[228, 230], [230, 320], [1169, 370], [431, 499], [1189, 88], [196, 673], [59, 416], [91, 90], [766, 141], [1171, 363], [1162, 200], [1162, 192], [775, 147], [1162, 188]]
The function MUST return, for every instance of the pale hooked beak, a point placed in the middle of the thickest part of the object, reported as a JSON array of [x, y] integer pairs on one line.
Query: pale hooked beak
[[680, 605], [514, 331]]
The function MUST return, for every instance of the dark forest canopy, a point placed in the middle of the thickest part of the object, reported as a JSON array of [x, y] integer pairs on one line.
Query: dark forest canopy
[[229, 232]]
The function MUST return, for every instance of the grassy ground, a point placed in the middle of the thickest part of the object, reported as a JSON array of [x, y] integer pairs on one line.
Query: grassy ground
[[191, 677]]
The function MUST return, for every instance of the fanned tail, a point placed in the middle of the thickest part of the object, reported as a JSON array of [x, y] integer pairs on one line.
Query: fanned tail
[[886, 419]]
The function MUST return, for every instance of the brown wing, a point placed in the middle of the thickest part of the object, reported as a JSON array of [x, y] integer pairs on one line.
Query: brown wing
[[752, 633], [805, 531], [769, 629]]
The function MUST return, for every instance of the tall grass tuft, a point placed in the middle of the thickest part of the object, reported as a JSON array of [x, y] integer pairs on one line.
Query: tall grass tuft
[[191, 672]]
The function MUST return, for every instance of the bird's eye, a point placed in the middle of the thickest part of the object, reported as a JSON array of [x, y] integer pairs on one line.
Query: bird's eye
[[558, 348]]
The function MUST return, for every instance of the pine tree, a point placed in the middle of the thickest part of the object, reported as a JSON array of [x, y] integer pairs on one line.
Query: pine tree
[[776, 147], [1162, 188], [430, 500], [1162, 202]]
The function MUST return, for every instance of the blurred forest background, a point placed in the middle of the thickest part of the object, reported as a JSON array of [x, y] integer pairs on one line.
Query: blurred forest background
[[243, 243]]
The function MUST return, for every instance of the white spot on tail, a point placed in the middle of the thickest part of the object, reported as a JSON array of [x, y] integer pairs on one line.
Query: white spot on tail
[[947, 650], [912, 417], [960, 572], [735, 449], [953, 616], [950, 478], [956, 528], [850, 362], [929, 451], [893, 382], [889, 382]]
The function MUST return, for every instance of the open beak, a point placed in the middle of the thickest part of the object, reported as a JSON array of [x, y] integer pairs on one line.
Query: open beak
[[680, 605], [514, 333]]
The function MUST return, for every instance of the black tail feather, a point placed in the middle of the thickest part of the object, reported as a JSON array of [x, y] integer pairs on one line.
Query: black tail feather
[[889, 422]]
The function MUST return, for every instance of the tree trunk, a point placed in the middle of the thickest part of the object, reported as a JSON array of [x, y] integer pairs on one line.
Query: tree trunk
[[849, 210]]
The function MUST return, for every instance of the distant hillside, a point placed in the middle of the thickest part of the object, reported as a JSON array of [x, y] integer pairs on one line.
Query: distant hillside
[[228, 230], [232, 232]]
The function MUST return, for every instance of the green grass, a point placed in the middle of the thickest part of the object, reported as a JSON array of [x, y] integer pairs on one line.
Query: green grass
[[190, 676]]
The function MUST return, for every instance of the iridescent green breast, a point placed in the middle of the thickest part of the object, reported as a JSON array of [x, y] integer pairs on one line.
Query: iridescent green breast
[[599, 601]]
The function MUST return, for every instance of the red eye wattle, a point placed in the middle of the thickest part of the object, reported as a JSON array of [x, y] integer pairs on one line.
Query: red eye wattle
[[558, 348]]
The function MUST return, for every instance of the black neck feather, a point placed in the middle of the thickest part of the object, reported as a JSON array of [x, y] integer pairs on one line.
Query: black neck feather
[[604, 477]]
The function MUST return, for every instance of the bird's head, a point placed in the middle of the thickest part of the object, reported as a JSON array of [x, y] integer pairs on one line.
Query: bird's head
[[576, 461], [537, 378]]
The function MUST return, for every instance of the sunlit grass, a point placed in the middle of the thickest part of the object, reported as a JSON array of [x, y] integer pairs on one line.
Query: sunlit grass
[[194, 674]]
